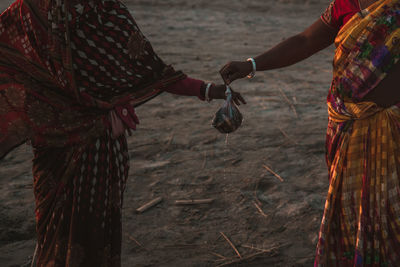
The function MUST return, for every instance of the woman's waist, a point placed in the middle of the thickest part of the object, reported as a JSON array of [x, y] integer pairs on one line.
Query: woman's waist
[[63, 133], [386, 93], [364, 110]]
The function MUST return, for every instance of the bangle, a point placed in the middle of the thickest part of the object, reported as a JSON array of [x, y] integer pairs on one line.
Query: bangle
[[253, 72], [207, 93]]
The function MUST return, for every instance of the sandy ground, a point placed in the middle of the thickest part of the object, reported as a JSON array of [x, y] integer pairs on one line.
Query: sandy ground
[[176, 154]]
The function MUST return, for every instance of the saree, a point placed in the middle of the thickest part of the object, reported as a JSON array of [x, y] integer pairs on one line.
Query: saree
[[67, 68], [361, 220]]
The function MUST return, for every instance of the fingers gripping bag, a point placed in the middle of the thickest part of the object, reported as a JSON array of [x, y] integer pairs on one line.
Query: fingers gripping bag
[[228, 118]]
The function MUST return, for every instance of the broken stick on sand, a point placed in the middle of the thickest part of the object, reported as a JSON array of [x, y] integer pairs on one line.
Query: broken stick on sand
[[134, 240], [274, 173], [289, 102], [259, 209], [251, 256], [231, 244], [149, 205], [193, 201]]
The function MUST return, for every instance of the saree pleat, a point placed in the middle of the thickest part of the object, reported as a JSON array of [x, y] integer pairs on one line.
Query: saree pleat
[[361, 224], [79, 195]]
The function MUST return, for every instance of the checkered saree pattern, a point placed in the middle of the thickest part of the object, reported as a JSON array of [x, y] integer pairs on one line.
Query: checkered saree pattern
[[361, 221]]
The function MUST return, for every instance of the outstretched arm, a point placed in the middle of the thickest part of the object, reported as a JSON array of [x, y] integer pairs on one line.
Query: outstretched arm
[[290, 51], [194, 87]]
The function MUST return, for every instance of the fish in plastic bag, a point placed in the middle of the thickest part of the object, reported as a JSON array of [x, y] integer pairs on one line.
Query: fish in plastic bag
[[228, 118]]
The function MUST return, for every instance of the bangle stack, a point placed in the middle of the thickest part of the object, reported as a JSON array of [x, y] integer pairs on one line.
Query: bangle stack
[[207, 93], [253, 72]]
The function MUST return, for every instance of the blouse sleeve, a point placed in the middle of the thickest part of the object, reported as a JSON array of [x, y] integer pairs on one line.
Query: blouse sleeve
[[330, 16], [339, 12]]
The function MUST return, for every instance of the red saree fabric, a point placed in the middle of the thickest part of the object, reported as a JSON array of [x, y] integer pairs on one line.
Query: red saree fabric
[[79, 195], [339, 12], [64, 65]]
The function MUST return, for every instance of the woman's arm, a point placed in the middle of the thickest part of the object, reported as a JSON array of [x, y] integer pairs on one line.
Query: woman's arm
[[187, 87], [194, 87], [292, 50]]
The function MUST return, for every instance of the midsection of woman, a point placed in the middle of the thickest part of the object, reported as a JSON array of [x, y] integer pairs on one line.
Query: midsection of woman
[[361, 223], [386, 93]]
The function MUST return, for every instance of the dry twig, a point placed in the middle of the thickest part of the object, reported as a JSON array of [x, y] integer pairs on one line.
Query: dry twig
[[219, 256], [211, 140], [134, 240], [149, 205], [287, 136], [248, 257], [154, 183], [232, 261], [236, 161], [260, 210], [231, 244], [265, 250], [255, 193], [205, 160], [274, 173], [170, 139], [289, 102], [194, 201], [184, 246]]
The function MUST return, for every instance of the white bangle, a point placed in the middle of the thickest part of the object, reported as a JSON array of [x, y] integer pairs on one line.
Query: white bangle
[[207, 93], [253, 72]]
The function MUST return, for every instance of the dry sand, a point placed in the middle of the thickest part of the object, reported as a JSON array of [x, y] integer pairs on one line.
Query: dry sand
[[176, 154]]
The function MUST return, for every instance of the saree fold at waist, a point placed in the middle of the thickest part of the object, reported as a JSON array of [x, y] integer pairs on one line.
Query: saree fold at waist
[[65, 64]]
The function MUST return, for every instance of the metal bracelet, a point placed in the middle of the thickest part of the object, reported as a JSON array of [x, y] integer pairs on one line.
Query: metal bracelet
[[253, 72], [207, 94]]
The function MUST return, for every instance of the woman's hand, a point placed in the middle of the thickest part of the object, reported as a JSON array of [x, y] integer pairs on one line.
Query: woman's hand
[[288, 52], [236, 70], [218, 92]]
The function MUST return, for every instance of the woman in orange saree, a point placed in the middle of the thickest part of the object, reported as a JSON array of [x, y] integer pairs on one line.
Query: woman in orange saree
[[361, 220], [71, 74]]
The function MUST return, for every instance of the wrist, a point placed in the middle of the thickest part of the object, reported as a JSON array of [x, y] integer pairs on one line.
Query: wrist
[[249, 66], [207, 94], [203, 90]]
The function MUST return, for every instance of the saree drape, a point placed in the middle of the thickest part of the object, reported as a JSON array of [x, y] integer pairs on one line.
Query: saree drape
[[361, 221], [65, 65]]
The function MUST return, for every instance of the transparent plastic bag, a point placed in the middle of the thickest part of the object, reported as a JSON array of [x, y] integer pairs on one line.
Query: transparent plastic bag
[[228, 118]]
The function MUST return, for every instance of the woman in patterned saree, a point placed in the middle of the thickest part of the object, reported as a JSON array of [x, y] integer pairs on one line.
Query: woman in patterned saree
[[361, 221], [71, 74]]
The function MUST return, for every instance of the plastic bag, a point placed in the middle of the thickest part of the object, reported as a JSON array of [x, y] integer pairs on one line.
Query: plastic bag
[[228, 118]]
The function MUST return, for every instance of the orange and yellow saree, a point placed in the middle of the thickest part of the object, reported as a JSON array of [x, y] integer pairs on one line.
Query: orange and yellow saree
[[361, 221]]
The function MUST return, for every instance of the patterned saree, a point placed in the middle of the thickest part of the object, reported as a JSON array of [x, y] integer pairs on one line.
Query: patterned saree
[[361, 221], [65, 66]]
